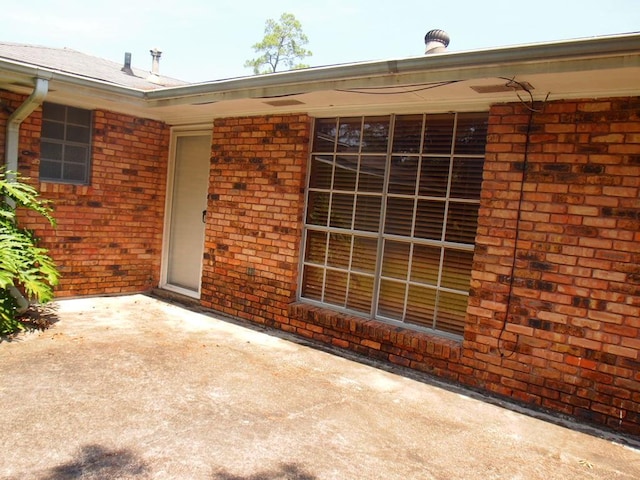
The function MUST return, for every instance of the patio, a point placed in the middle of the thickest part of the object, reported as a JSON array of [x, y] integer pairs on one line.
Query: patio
[[137, 387]]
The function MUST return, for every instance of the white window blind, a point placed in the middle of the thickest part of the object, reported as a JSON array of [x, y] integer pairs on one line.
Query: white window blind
[[391, 217]]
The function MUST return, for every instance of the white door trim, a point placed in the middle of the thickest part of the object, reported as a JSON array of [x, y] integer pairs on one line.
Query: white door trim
[[177, 132]]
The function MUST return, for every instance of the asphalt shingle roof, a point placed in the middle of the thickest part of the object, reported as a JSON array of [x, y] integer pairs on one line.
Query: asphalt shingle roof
[[72, 61]]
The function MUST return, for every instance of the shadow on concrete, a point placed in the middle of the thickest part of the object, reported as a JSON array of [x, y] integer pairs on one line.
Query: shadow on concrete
[[285, 471], [95, 462], [36, 318], [40, 317]]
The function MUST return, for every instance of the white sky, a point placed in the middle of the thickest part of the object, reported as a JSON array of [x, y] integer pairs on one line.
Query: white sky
[[211, 39]]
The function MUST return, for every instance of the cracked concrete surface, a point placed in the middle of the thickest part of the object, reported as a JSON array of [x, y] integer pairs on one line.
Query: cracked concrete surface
[[135, 387]]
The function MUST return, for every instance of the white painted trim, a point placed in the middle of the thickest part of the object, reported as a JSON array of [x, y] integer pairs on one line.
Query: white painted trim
[[176, 132], [195, 129], [182, 291]]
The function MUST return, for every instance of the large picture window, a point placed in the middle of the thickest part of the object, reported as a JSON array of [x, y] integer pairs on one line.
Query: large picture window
[[65, 148], [391, 216]]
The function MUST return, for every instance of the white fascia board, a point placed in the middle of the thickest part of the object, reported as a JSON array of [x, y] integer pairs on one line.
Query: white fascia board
[[592, 54], [578, 55]]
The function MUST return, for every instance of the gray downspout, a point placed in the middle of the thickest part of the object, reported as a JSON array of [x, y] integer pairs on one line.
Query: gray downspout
[[17, 117], [11, 154]]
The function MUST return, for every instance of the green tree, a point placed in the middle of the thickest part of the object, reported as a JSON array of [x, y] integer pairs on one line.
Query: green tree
[[23, 264], [283, 44]]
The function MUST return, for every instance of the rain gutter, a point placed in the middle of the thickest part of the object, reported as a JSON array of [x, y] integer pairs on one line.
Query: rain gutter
[[574, 55], [17, 72], [615, 51]]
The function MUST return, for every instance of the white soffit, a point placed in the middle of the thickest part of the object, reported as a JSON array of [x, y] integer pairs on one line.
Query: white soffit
[[458, 96], [588, 68]]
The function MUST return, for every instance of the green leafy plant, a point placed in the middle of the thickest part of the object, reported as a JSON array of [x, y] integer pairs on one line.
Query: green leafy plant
[[25, 268]]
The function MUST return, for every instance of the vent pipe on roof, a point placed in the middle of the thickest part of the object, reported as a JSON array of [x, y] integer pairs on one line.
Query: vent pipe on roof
[[127, 64], [436, 41], [155, 61]]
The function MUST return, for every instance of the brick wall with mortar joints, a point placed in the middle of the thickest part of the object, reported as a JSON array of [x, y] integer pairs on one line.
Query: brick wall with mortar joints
[[571, 343], [253, 236], [574, 318], [109, 233], [254, 219], [561, 355]]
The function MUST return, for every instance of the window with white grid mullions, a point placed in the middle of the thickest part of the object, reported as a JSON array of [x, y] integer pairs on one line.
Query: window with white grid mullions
[[391, 216], [65, 145]]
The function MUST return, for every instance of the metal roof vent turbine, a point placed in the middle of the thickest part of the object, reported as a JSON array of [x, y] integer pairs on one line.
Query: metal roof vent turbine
[[436, 41]]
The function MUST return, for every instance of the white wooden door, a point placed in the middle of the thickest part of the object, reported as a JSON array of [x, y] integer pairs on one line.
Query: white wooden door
[[188, 204]]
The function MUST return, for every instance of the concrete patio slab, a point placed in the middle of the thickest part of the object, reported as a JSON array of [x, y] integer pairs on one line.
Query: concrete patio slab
[[136, 387]]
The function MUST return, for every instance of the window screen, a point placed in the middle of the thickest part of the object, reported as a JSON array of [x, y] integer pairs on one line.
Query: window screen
[[391, 216], [65, 149]]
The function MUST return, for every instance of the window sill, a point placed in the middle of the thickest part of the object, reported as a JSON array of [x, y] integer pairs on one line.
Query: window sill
[[48, 186], [402, 346]]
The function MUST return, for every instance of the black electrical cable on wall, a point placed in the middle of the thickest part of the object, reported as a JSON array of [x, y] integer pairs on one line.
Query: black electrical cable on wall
[[525, 166]]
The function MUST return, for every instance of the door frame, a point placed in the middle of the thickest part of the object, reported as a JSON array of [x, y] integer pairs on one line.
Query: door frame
[[177, 132]]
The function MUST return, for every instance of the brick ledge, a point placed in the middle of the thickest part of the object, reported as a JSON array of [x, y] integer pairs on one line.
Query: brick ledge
[[402, 346]]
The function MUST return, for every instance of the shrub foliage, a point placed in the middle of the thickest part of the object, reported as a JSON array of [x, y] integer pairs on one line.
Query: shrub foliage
[[23, 264]]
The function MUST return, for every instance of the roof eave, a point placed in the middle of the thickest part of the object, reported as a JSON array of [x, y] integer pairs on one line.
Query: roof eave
[[24, 73], [582, 54]]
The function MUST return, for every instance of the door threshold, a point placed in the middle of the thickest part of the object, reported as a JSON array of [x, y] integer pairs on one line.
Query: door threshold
[[181, 291], [177, 297]]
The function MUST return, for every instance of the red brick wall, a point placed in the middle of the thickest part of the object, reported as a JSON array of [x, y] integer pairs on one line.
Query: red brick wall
[[109, 233], [571, 340], [255, 216]]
